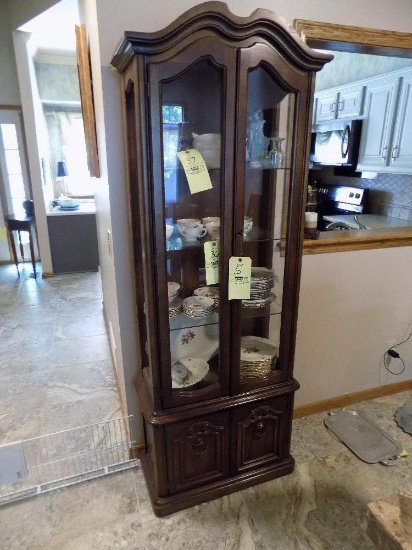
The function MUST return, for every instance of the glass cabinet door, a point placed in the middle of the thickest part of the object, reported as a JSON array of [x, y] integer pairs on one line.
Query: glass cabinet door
[[264, 184], [193, 134]]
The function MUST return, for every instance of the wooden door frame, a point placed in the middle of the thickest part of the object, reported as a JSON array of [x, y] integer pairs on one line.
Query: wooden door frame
[[347, 38]]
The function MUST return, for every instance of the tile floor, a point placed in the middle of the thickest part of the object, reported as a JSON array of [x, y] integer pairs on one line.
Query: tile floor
[[56, 372]]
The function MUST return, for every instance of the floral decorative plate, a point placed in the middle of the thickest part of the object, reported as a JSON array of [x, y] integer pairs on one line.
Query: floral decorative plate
[[172, 290], [198, 306], [208, 292], [200, 342], [187, 372], [255, 349]]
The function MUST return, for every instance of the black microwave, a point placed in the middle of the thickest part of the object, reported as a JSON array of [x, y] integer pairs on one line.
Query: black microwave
[[336, 143]]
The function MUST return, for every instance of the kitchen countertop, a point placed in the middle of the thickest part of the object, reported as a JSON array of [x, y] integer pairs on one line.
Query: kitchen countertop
[[84, 208], [361, 239], [371, 221]]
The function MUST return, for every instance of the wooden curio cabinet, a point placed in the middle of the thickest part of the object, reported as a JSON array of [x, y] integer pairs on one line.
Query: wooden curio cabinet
[[217, 110]]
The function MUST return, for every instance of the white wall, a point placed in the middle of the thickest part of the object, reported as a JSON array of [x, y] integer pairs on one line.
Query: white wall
[[345, 360], [36, 141], [9, 86], [112, 216], [351, 304]]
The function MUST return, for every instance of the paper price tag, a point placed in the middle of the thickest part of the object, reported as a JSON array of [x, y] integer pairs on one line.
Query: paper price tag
[[212, 261], [3, 233], [240, 270], [196, 170]]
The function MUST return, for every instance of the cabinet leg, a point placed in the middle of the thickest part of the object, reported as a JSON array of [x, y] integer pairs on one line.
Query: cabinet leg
[[33, 259], [13, 251]]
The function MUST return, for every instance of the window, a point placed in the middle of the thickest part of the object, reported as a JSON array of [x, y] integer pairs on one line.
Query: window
[[12, 163], [67, 143]]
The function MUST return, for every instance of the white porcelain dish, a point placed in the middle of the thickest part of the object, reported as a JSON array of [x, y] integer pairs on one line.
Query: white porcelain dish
[[68, 203], [256, 349], [198, 306], [189, 371], [200, 342], [172, 290], [208, 292]]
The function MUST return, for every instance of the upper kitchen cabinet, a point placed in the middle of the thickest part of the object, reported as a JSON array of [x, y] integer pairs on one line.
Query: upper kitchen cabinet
[[386, 143], [217, 116], [337, 103]]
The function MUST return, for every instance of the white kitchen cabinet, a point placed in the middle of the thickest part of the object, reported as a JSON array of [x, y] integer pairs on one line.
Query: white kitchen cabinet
[[337, 103], [401, 146], [386, 143]]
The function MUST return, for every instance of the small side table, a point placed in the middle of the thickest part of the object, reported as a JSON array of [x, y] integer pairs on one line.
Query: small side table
[[21, 223]]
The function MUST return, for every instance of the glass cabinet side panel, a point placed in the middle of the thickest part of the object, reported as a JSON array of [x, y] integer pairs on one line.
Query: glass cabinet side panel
[[192, 157], [139, 245], [266, 195]]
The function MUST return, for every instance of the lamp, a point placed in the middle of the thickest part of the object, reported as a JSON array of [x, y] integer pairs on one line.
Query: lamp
[[62, 173], [62, 169]]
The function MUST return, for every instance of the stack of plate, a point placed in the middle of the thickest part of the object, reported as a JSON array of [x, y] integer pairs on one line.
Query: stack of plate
[[257, 357], [175, 307], [262, 281], [209, 292], [198, 306]]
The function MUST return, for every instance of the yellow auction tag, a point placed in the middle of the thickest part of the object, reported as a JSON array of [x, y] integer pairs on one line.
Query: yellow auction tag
[[196, 170], [212, 254], [239, 278], [3, 233]]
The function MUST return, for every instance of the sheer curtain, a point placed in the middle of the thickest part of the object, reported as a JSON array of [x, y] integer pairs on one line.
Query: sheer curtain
[[67, 143]]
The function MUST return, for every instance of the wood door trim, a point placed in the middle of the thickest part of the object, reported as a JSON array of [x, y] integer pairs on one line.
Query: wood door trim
[[349, 38]]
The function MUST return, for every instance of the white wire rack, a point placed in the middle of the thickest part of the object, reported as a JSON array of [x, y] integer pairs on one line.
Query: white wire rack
[[48, 462]]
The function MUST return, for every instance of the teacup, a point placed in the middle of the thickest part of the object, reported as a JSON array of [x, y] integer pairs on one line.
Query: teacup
[[210, 219], [247, 225], [188, 221], [169, 230], [191, 229], [213, 228]]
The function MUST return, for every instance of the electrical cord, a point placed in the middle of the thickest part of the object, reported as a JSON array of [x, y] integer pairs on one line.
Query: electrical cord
[[395, 355]]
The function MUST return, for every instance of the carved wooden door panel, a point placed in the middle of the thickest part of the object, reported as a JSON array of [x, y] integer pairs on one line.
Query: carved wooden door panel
[[197, 452], [258, 434]]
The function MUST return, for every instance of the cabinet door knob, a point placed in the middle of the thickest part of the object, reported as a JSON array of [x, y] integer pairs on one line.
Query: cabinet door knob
[[239, 233], [259, 430], [199, 446]]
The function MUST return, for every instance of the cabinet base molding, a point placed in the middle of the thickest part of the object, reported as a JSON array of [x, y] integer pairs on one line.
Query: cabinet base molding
[[163, 506], [136, 451], [351, 398]]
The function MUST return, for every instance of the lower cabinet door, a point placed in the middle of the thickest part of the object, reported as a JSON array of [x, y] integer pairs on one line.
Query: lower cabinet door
[[197, 451], [260, 434]]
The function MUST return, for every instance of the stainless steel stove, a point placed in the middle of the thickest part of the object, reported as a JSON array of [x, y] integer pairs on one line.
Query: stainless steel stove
[[339, 199]]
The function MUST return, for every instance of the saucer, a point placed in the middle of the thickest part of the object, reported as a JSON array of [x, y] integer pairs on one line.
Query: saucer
[[189, 371]]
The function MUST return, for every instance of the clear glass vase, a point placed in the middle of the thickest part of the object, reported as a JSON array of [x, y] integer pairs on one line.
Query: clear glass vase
[[276, 155]]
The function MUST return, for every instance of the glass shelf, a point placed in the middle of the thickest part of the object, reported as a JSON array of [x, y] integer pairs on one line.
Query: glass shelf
[[183, 321], [266, 166], [175, 243], [252, 312]]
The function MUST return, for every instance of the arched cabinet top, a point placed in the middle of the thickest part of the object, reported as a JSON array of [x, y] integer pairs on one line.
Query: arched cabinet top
[[215, 19]]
